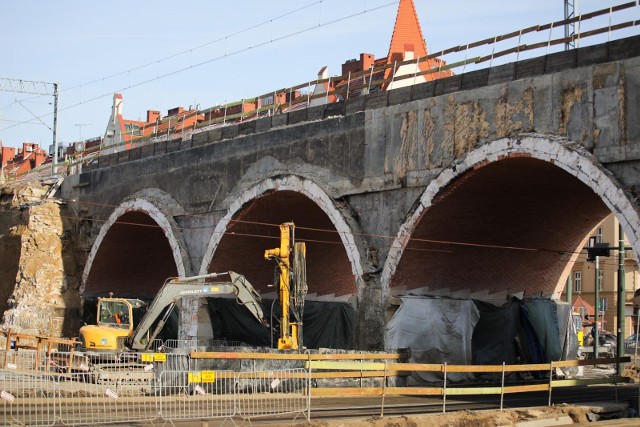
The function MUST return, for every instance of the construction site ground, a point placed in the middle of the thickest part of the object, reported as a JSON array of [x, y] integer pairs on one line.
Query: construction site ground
[[560, 415]]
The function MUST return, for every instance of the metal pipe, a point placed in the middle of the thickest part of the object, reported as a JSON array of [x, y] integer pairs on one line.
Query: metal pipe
[[54, 161], [596, 333], [621, 297]]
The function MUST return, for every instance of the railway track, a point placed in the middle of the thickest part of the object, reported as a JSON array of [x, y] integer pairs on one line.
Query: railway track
[[327, 408]]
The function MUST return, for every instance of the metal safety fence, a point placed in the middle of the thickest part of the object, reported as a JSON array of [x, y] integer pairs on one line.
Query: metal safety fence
[[143, 387], [93, 398], [267, 393], [197, 343], [188, 395], [28, 400], [83, 402]]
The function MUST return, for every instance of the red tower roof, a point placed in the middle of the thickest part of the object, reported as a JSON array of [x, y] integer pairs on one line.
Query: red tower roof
[[407, 34]]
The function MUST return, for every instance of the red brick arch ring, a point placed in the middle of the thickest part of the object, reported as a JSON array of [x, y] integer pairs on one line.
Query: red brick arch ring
[[341, 219], [569, 156], [157, 205]]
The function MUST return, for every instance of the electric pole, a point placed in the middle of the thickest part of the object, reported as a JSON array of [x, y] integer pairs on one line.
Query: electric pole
[[570, 9], [37, 88], [621, 297]]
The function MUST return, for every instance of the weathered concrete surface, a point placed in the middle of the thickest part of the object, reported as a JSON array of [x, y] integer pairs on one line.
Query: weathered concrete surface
[[363, 183]]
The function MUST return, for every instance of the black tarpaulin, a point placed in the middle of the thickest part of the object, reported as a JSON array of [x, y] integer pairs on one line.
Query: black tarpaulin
[[494, 337], [325, 324]]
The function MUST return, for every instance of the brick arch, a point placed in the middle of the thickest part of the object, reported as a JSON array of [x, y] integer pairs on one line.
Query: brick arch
[[141, 237], [282, 199], [539, 172]]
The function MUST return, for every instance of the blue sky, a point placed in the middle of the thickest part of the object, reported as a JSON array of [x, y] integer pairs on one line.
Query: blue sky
[[214, 52]]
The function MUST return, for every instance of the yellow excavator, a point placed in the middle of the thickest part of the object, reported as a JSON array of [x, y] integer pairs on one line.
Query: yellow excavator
[[292, 285], [114, 331]]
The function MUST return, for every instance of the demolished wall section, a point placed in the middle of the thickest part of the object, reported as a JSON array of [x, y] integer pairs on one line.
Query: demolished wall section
[[38, 272]]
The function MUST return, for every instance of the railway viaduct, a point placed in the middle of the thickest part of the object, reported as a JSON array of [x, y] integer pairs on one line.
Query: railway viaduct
[[487, 182]]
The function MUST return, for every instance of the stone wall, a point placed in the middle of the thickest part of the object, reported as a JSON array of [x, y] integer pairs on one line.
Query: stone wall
[[38, 270]]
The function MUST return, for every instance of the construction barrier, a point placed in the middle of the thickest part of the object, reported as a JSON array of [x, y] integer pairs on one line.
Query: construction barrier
[[82, 402], [193, 344], [268, 393], [189, 395], [142, 387], [386, 370], [27, 400]]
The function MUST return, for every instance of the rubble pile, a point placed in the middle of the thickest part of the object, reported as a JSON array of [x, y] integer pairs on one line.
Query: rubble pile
[[632, 371]]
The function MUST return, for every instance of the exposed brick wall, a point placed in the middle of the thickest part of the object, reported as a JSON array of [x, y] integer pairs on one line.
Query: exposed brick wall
[[515, 202], [132, 260], [243, 245]]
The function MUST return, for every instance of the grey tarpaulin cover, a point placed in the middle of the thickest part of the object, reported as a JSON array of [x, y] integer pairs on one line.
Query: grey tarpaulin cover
[[551, 322], [437, 330]]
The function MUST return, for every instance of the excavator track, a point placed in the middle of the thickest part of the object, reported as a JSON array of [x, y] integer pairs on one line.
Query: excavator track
[[122, 374]]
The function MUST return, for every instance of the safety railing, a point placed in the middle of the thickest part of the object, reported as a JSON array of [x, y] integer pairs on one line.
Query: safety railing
[[78, 399], [198, 343], [83, 402], [83, 398], [515, 45], [189, 395], [28, 400], [268, 393], [387, 370]]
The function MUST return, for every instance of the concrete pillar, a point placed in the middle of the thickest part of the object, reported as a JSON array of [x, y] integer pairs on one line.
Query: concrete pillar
[[370, 312]]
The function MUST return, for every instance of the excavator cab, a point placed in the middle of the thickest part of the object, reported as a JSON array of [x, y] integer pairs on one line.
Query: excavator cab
[[115, 322], [115, 313]]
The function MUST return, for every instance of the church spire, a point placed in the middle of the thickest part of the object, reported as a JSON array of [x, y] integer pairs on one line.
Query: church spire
[[407, 34], [407, 43]]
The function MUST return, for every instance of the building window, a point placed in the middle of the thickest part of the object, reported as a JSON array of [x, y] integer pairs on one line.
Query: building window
[[577, 281], [603, 305], [600, 279], [268, 100], [599, 235], [583, 311]]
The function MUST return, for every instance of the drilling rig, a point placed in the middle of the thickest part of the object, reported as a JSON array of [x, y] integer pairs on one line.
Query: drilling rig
[[291, 279]]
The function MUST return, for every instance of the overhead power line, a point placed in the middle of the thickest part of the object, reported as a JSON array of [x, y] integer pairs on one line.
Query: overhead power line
[[190, 50], [220, 57], [38, 88], [561, 252]]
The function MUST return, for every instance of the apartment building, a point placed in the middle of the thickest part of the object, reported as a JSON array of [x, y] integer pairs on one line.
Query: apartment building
[[583, 281]]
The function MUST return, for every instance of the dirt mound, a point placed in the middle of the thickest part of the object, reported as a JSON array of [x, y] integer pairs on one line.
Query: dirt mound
[[493, 418]]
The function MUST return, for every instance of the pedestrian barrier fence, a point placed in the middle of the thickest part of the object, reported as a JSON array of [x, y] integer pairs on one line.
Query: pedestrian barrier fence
[[82, 402], [386, 370], [28, 400], [141, 388], [91, 398], [196, 343], [184, 395], [266, 393]]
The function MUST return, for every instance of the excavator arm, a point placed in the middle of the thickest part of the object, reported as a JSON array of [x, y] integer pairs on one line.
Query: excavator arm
[[176, 288]]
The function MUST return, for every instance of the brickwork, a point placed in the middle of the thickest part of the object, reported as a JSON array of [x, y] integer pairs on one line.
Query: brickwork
[[244, 243], [517, 202], [134, 259]]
